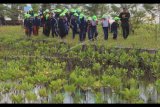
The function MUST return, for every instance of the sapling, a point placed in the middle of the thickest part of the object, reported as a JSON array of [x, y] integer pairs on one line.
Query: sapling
[[58, 98], [130, 95], [30, 96]]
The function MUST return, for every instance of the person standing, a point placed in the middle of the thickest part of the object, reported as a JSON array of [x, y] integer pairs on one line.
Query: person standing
[[88, 27], [124, 17], [82, 27], [114, 27], [48, 25], [62, 26], [25, 23], [29, 25], [36, 24], [54, 24], [105, 26], [74, 25], [94, 23]]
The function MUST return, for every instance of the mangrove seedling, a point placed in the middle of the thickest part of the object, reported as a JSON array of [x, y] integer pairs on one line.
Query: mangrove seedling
[[130, 95], [58, 98], [43, 92], [69, 88], [31, 96], [17, 98]]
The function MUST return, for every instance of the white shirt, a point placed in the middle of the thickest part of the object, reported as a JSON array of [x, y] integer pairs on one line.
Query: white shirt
[[93, 23], [105, 23]]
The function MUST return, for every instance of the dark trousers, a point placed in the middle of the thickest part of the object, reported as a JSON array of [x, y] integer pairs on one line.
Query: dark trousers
[[35, 30], [44, 27], [47, 30], [73, 33], [54, 31], [89, 34], [105, 30], [94, 32], [82, 35], [29, 29], [26, 31], [125, 30], [115, 33]]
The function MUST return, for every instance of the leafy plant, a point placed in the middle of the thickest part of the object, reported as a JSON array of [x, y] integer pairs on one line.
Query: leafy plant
[[69, 88], [57, 85], [130, 95], [111, 81], [58, 98], [43, 92], [31, 96], [17, 98], [98, 98]]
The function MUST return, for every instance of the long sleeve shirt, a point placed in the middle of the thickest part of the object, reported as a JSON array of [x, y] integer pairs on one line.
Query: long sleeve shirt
[[125, 19]]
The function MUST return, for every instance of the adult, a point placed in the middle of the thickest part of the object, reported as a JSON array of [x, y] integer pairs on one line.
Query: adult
[[124, 17]]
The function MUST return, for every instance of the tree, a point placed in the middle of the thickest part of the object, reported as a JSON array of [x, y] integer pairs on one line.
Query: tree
[[115, 10], [2, 14], [35, 7], [91, 9], [46, 6], [15, 11]]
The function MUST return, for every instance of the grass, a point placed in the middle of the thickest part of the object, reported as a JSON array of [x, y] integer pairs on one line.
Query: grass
[[143, 38]]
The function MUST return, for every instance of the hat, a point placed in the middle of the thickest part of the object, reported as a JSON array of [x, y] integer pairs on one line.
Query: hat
[[65, 10], [75, 14], [94, 17], [89, 18], [58, 10], [116, 18], [81, 16], [78, 10], [28, 15], [72, 10], [62, 14]]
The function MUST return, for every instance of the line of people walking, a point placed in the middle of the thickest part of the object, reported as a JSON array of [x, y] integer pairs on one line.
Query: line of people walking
[[59, 22]]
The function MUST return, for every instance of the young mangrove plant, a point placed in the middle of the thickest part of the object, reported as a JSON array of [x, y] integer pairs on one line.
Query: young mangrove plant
[[17, 98], [130, 95], [30, 96]]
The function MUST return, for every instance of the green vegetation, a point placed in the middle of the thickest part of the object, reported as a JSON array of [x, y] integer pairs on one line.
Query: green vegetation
[[40, 61]]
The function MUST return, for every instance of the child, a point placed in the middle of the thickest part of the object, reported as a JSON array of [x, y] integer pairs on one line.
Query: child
[[62, 26], [88, 28], [25, 22], [82, 27], [54, 25], [36, 24], [94, 24], [74, 25], [105, 26], [29, 25], [114, 27], [48, 25]]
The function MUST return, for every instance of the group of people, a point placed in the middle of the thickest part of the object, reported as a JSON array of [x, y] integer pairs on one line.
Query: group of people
[[58, 22]]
